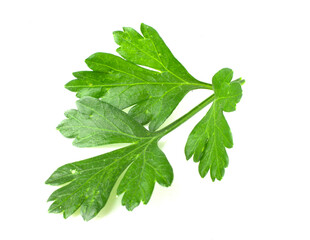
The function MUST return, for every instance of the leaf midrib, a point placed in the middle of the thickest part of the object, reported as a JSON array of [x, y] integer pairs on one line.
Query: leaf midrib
[[104, 130]]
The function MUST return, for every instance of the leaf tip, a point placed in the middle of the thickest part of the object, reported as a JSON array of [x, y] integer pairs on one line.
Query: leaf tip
[[87, 217], [188, 153], [242, 81], [116, 36], [50, 181], [131, 207], [47, 182], [143, 25], [202, 174], [91, 59]]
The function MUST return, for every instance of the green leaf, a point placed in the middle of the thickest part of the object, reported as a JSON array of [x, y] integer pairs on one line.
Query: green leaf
[[150, 165], [123, 82], [211, 136], [150, 80], [96, 123], [90, 182]]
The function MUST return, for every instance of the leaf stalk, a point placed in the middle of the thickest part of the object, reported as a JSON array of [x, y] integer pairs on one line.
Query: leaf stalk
[[184, 118]]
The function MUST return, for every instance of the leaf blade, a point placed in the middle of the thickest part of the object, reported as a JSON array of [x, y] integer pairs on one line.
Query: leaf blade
[[150, 166], [89, 182], [123, 83], [96, 123], [212, 135], [91, 185]]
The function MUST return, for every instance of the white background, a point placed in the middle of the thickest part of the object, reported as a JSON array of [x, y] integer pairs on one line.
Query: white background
[[265, 190]]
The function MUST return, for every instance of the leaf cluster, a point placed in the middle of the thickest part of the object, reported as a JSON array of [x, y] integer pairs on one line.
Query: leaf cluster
[[152, 82]]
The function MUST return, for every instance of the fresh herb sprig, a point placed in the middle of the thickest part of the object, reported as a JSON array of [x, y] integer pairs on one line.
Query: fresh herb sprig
[[117, 83]]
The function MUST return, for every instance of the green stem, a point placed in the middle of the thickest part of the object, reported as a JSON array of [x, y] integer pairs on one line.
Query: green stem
[[184, 118], [205, 85]]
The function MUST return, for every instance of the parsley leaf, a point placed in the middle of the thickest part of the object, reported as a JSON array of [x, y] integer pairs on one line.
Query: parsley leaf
[[210, 137], [96, 123], [151, 81], [123, 82]]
